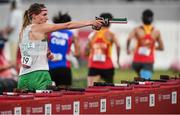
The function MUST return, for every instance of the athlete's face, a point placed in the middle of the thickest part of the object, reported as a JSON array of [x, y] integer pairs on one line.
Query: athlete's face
[[42, 17]]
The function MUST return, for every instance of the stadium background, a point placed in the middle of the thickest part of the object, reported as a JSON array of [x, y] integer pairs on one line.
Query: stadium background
[[167, 19]]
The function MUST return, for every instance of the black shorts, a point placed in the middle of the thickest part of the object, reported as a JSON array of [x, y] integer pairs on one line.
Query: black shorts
[[139, 66], [61, 76], [106, 74]]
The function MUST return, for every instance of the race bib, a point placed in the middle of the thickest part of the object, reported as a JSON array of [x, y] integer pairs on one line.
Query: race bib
[[57, 57], [99, 57], [144, 51], [26, 61]]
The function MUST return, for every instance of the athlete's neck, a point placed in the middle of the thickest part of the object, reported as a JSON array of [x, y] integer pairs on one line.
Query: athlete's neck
[[147, 28]]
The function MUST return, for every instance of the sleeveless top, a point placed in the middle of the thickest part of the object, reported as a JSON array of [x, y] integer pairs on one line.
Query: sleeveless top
[[59, 45], [33, 53], [144, 51], [100, 51]]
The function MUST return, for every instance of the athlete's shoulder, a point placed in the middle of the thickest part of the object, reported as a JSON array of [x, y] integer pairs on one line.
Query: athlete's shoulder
[[137, 29], [156, 30]]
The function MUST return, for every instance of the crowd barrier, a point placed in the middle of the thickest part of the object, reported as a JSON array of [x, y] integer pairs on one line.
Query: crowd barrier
[[156, 98]]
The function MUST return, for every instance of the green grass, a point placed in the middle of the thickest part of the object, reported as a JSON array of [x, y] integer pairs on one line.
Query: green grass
[[80, 75]]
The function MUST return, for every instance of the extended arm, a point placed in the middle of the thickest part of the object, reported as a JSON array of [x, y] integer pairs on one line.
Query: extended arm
[[160, 45], [130, 37], [118, 48], [45, 28], [76, 46]]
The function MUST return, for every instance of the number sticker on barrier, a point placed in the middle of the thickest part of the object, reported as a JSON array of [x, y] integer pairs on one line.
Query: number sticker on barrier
[[76, 108], [17, 110], [174, 97], [128, 102], [48, 109], [103, 105], [151, 100]]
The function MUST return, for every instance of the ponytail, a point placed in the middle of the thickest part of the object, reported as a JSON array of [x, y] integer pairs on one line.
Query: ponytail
[[26, 20]]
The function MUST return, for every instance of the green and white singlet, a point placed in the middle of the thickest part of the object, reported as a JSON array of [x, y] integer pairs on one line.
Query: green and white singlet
[[34, 73]]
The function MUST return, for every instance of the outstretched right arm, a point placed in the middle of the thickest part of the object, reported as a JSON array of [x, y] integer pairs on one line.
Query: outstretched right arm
[[45, 28]]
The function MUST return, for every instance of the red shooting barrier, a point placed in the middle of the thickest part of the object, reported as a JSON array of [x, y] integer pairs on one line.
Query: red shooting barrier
[[168, 97], [145, 97], [94, 101], [120, 100], [157, 98], [12, 104], [46, 95], [69, 103], [53, 103], [36, 106], [6, 108], [42, 104]]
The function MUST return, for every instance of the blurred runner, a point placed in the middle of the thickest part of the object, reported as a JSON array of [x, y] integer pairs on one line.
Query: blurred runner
[[60, 43], [99, 49], [148, 40], [12, 30], [6, 68]]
